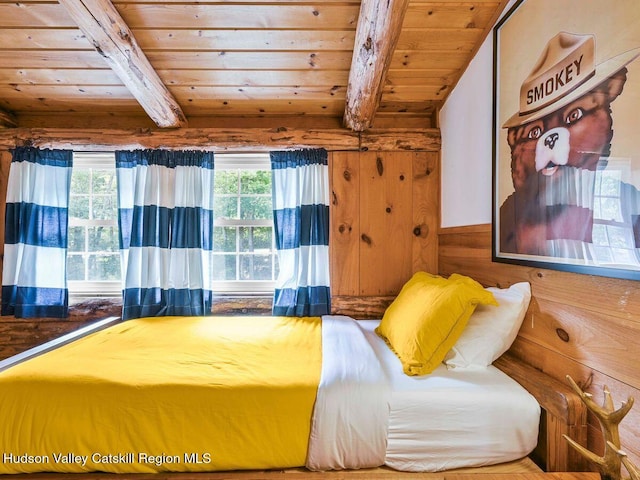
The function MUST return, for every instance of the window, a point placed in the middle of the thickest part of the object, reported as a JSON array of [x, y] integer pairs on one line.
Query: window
[[613, 235], [93, 256], [245, 258]]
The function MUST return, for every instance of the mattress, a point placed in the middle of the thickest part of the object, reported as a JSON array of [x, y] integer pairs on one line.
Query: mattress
[[454, 417]]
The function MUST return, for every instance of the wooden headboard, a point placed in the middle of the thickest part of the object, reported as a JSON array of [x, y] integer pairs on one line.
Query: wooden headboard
[[563, 414]]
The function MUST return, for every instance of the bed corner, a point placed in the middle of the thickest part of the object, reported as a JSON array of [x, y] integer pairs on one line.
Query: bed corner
[[563, 413]]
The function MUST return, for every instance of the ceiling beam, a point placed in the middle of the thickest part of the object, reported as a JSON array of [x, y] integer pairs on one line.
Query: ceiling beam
[[223, 139], [8, 119], [379, 26], [107, 31]]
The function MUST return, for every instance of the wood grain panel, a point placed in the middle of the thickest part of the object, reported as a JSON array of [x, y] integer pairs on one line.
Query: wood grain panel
[[220, 106], [258, 94], [439, 15], [414, 93], [186, 39], [559, 366], [385, 222], [426, 108], [193, 15], [345, 223], [240, 15], [256, 60], [65, 92], [108, 121], [217, 39], [417, 59], [256, 78], [425, 205], [51, 58], [187, 77], [207, 107], [419, 77], [517, 470], [458, 39], [89, 105], [579, 325], [182, 60], [44, 38], [54, 76], [600, 343], [34, 14]]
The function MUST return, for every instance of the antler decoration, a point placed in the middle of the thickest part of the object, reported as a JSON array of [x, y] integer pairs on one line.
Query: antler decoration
[[631, 468], [610, 463]]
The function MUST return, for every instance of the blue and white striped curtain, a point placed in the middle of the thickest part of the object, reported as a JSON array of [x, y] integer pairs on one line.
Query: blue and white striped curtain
[[166, 232], [301, 220], [34, 274]]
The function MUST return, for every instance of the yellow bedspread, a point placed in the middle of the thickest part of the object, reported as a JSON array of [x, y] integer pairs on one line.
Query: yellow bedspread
[[166, 394]]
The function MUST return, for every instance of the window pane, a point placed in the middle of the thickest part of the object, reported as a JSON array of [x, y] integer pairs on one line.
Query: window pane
[[610, 209], [79, 206], [225, 207], [105, 207], [620, 237], [104, 267], [224, 267], [599, 233], [104, 181], [255, 239], [224, 239], [603, 254], [103, 239], [255, 181], [611, 183], [80, 181], [254, 208], [255, 267], [76, 239], [243, 244], [93, 249], [226, 181], [75, 267], [624, 256]]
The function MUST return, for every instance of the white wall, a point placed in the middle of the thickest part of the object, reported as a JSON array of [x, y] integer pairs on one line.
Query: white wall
[[465, 124]]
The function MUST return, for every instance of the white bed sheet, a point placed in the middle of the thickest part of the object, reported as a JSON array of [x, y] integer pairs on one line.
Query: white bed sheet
[[454, 417]]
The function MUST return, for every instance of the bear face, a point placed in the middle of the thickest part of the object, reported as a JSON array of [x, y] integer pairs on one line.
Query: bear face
[[577, 135], [547, 156]]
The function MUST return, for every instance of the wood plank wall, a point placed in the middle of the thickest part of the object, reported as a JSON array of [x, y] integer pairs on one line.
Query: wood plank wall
[[384, 220], [579, 325]]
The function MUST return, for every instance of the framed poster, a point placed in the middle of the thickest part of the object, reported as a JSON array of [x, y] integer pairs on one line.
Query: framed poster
[[566, 136]]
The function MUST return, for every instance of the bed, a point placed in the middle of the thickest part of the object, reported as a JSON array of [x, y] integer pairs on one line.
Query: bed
[[202, 394]]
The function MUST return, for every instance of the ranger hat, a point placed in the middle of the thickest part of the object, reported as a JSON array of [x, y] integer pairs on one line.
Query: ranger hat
[[564, 72]]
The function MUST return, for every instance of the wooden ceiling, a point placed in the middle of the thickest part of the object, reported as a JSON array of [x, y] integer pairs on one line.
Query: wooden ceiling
[[178, 63]]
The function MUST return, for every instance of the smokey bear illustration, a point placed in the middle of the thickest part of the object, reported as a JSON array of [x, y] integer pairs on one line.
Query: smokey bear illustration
[[559, 140]]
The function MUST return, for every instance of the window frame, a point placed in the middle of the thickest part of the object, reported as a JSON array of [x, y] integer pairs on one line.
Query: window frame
[[246, 161], [94, 288], [250, 161]]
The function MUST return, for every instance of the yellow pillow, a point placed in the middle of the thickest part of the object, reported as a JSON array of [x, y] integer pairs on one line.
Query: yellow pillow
[[427, 318]]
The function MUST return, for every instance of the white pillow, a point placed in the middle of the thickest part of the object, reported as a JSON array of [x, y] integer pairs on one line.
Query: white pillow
[[491, 330]]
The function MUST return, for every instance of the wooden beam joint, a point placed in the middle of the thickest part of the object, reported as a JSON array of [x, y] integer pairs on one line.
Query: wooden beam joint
[[111, 37]]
